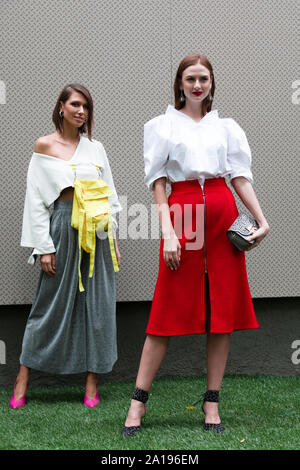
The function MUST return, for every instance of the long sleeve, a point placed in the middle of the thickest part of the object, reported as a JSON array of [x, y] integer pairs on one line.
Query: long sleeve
[[156, 149], [238, 151], [108, 178], [36, 220]]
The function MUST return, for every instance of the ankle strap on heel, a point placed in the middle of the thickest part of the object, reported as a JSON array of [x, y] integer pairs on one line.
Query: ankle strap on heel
[[209, 395], [140, 395], [212, 396]]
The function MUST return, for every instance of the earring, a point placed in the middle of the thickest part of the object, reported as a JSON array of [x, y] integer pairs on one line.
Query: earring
[[61, 114], [210, 96], [182, 96]]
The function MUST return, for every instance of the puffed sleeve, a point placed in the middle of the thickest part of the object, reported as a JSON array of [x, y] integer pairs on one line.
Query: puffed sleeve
[[156, 149], [238, 151], [36, 219], [108, 178]]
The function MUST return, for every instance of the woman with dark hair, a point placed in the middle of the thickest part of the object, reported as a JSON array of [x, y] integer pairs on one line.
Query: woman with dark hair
[[71, 327], [202, 285]]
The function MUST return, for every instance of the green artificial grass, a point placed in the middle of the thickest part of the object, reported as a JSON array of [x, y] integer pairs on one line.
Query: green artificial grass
[[258, 412]]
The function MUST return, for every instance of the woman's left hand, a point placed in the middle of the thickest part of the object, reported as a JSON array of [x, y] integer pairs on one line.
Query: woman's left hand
[[258, 235]]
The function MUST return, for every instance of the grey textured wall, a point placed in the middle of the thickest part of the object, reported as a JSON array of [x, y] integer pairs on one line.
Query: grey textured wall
[[127, 53]]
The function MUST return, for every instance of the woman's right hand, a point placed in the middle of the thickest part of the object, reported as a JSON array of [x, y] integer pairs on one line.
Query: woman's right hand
[[172, 247], [48, 263], [172, 252]]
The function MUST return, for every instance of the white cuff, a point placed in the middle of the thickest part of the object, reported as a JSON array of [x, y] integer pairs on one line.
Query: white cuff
[[35, 252]]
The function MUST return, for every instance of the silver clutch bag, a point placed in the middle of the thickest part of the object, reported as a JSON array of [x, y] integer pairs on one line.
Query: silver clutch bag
[[242, 228]]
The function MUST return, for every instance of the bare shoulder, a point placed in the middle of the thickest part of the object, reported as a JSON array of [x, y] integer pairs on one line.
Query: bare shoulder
[[44, 144]]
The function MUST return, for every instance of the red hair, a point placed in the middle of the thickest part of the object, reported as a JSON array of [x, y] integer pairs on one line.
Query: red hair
[[193, 59]]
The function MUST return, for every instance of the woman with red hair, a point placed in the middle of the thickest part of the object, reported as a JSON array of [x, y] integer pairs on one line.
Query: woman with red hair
[[202, 285]]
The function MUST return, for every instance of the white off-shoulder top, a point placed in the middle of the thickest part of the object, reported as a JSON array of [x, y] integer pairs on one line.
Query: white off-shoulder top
[[178, 148], [47, 176]]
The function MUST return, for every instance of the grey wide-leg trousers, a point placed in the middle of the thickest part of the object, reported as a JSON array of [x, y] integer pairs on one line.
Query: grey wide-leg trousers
[[69, 331]]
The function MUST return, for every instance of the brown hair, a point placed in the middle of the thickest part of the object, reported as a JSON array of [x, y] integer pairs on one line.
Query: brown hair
[[193, 59], [63, 97]]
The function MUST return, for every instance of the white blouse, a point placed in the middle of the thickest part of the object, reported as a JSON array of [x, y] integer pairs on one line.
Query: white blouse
[[47, 176], [178, 148]]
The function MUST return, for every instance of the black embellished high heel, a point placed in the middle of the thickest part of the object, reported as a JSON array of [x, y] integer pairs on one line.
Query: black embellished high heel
[[212, 396], [139, 395]]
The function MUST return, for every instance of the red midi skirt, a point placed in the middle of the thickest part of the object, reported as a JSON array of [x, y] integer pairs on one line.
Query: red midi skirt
[[213, 268]]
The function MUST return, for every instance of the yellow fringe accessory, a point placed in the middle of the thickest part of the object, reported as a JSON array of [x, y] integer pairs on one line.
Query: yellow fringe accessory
[[91, 212]]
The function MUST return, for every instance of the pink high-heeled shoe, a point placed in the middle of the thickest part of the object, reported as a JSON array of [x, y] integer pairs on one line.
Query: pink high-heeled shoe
[[17, 403], [91, 402]]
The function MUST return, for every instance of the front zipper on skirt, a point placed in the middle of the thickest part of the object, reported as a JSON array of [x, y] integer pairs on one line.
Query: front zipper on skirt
[[204, 228], [207, 314]]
